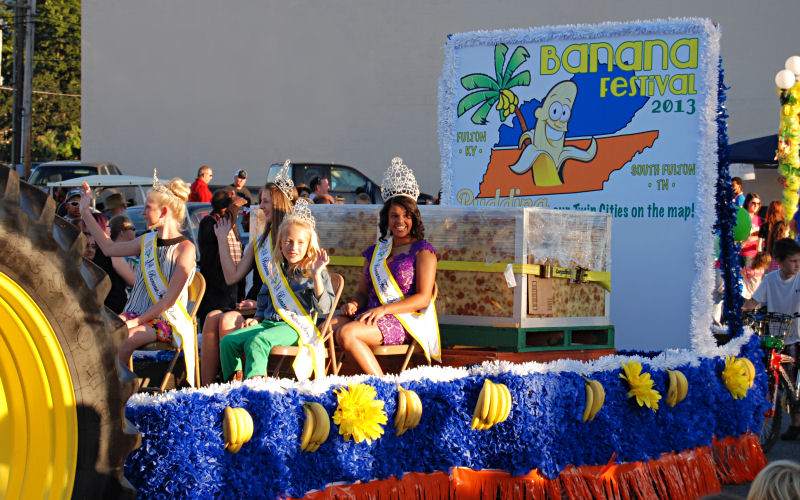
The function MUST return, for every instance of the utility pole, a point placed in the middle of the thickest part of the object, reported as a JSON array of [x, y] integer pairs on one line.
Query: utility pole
[[19, 78], [27, 104]]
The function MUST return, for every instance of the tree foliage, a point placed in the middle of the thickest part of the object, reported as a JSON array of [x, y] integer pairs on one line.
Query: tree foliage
[[56, 132]]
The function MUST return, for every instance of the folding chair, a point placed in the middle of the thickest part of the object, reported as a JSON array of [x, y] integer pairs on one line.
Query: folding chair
[[383, 351], [290, 351], [196, 290]]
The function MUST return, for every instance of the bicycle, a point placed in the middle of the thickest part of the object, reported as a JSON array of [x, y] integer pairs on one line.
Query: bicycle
[[782, 392]]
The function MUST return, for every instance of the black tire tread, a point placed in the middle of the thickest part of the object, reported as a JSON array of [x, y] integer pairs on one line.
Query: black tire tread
[[43, 253]]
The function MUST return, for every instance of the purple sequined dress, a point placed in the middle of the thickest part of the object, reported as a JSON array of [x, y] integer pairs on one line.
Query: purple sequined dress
[[403, 269]]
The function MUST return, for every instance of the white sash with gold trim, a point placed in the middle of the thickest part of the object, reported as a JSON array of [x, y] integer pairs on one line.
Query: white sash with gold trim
[[183, 333], [423, 326], [311, 353]]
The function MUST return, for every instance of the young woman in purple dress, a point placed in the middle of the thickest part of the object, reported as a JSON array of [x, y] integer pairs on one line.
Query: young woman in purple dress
[[371, 319]]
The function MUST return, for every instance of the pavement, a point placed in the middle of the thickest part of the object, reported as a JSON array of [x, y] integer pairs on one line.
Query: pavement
[[782, 450]]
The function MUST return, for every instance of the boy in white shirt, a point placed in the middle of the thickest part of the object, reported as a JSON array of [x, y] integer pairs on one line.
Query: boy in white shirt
[[780, 291]]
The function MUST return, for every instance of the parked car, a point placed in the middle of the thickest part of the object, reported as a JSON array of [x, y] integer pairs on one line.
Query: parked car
[[195, 211], [346, 182], [133, 188], [55, 171]]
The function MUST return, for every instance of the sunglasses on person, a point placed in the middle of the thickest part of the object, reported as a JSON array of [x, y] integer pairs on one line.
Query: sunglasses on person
[[74, 203], [129, 228]]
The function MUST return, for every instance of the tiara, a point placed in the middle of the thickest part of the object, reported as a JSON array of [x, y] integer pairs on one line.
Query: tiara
[[301, 211], [399, 181], [284, 180], [157, 186]]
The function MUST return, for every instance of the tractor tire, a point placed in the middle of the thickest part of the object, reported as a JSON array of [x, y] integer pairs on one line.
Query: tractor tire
[[62, 392]]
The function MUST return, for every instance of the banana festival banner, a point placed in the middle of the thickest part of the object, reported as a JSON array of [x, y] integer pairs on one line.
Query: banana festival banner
[[617, 118]]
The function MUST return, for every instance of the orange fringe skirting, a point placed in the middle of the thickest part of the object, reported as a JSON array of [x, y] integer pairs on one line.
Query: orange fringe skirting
[[689, 474]]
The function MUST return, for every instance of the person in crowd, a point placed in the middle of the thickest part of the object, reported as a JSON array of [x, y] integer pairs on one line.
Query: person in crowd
[[754, 273], [114, 205], [274, 205], [156, 309], [778, 291], [779, 480], [239, 180], [405, 264], [91, 247], [73, 204], [199, 190], [752, 244], [320, 187], [779, 231], [738, 195], [301, 293], [119, 270], [219, 295], [303, 191], [775, 213], [363, 199]]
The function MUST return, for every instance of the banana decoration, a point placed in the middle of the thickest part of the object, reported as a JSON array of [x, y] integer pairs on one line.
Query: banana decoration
[[493, 406], [409, 410], [237, 428], [507, 103], [316, 427], [750, 368], [595, 397], [678, 387]]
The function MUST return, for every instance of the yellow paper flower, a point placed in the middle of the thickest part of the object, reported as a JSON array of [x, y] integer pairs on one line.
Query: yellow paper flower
[[641, 385], [735, 377], [359, 414]]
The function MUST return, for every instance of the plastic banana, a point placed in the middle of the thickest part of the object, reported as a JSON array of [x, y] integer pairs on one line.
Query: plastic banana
[[599, 398], [683, 385], [483, 399], [751, 370], [587, 410], [322, 426], [509, 402], [237, 428], [402, 412], [672, 389], [414, 409], [493, 406]]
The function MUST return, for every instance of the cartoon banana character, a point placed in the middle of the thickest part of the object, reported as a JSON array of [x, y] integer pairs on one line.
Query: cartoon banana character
[[546, 154]]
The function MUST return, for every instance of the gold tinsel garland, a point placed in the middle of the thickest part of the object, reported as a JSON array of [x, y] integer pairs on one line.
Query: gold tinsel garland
[[787, 153]]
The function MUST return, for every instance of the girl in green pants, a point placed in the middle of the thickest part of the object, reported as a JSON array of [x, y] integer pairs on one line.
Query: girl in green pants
[[297, 289]]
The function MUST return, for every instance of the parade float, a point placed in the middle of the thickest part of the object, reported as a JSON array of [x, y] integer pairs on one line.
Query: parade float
[[672, 422]]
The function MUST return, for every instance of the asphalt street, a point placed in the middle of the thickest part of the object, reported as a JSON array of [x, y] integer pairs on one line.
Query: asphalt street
[[782, 450]]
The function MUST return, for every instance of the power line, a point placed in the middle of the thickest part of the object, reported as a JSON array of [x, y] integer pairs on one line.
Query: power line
[[45, 92]]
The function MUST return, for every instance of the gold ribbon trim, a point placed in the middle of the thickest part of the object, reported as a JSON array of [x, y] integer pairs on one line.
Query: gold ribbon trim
[[576, 274]]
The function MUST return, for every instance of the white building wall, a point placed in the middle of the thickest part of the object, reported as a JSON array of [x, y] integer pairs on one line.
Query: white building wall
[[240, 84]]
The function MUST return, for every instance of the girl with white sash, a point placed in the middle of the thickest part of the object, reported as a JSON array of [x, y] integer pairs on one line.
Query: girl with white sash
[[275, 205], [156, 308], [393, 302], [299, 293]]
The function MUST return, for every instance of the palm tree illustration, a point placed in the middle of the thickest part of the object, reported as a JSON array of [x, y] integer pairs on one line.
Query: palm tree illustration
[[489, 91]]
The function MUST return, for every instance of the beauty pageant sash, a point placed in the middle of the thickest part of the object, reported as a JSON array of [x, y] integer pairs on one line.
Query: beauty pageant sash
[[311, 353], [176, 315], [423, 326]]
